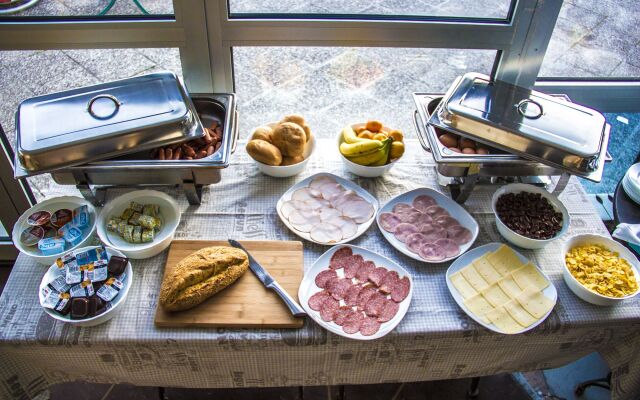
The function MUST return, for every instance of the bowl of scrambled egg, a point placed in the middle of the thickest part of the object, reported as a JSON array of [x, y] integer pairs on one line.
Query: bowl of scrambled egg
[[600, 270]]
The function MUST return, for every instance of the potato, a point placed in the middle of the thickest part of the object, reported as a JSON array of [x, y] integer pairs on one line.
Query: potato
[[264, 152], [457, 150], [469, 150], [380, 136], [396, 135], [290, 138], [449, 140], [263, 133], [482, 150], [365, 134], [464, 142], [292, 160], [374, 126]]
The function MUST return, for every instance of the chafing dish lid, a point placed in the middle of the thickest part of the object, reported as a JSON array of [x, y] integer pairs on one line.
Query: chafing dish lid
[[541, 118], [130, 110]]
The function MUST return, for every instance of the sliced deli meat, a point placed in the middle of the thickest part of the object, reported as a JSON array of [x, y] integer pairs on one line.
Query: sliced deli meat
[[339, 288], [330, 190], [327, 213], [389, 222], [325, 233], [389, 310], [446, 221], [323, 277], [433, 232], [401, 290], [459, 234], [402, 208], [423, 202], [403, 230], [348, 227], [415, 241], [341, 253], [377, 275], [369, 326], [316, 204], [435, 211], [328, 309], [432, 252], [320, 180], [341, 315], [304, 194], [351, 298], [375, 304], [411, 216], [352, 265], [364, 296], [358, 210], [316, 300], [353, 323], [389, 281], [364, 270], [450, 247]]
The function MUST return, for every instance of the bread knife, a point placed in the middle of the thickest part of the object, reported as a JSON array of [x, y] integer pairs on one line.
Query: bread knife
[[270, 283]]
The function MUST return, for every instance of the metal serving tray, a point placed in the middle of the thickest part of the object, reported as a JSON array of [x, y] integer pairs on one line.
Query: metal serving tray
[[139, 169], [527, 123], [102, 121]]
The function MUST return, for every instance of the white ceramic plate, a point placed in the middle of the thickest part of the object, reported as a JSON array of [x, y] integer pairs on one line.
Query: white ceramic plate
[[308, 288], [52, 205], [455, 210], [116, 303], [347, 185], [466, 259], [169, 215]]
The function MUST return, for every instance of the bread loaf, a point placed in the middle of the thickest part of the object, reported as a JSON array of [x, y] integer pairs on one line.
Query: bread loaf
[[201, 275]]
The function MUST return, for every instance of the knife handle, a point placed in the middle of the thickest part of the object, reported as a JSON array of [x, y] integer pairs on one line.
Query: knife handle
[[294, 307]]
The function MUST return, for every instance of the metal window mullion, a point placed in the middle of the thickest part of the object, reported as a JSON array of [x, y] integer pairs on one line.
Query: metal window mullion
[[194, 53], [220, 51]]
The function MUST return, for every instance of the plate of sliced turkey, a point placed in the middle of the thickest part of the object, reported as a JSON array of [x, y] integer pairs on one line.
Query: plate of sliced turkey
[[327, 209]]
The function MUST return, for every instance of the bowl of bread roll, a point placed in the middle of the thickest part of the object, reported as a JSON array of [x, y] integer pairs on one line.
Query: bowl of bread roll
[[282, 149]]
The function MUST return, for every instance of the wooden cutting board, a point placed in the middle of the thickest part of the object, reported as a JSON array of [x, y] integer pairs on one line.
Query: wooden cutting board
[[246, 302]]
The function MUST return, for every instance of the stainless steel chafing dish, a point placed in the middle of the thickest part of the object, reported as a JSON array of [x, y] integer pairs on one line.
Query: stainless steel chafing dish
[[117, 142], [509, 155]]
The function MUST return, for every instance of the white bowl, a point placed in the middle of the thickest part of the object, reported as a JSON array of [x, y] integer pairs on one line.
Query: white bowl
[[523, 241], [364, 171], [581, 291], [52, 205], [169, 215], [285, 171], [116, 303]]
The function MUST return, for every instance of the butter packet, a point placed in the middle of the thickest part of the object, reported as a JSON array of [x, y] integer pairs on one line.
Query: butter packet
[[83, 289], [59, 284], [110, 289], [74, 274], [57, 301], [95, 272]]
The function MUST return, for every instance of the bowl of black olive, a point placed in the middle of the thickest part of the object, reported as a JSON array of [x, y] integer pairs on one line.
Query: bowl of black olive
[[529, 216]]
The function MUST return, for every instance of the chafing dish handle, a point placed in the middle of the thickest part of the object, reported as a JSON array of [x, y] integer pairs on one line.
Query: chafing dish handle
[[416, 125], [236, 132]]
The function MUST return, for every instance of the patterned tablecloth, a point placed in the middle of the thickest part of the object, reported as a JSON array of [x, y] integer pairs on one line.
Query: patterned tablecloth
[[435, 340]]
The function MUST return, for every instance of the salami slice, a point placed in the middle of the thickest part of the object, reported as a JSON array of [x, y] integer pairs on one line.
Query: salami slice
[[423, 202], [451, 248], [353, 323], [415, 241], [459, 234], [433, 232], [375, 304], [409, 216], [341, 315], [401, 290], [316, 300], [389, 310], [364, 270], [389, 281], [328, 309], [401, 207], [339, 255], [351, 265], [351, 298], [377, 275], [339, 289], [331, 282], [369, 326], [364, 296], [403, 230], [324, 276], [432, 252], [389, 221], [446, 221], [435, 211]]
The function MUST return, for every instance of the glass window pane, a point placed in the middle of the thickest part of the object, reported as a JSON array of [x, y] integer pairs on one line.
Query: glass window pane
[[24, 74], [4, 235], [422, 8], [67, 8], [594, 39], [333, 87]]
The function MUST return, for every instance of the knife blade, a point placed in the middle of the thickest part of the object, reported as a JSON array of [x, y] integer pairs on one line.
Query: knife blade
[[270, 283]]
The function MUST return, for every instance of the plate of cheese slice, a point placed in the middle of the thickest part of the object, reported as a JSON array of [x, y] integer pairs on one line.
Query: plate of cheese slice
[[501, 289]]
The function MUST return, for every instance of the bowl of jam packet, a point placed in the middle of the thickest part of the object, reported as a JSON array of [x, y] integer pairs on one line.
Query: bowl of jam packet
[[53, 227], [87, 286]]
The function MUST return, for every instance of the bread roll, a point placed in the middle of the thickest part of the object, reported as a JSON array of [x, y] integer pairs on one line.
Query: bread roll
[[264, 152], [263, 133], [201, 275], [292, 160], [299, 120], [290, 138]]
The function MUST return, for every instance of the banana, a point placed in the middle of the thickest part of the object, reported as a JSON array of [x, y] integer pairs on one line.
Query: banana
[[349, 135], [359, 148], [370, 158], [386, 148]]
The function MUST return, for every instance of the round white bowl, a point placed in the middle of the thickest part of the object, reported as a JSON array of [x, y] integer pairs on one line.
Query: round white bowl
[[52, 205], [169, 214], [116, 304], [285, 171], [581, 291], [523, 241], [364, 171]]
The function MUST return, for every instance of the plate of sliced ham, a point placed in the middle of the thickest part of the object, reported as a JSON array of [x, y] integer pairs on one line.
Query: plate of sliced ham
[[327, 209], [356, 293], [427, 226]]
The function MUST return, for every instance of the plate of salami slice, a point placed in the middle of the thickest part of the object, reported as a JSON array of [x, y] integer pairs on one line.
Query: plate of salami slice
[[327, 209], [356, 293], [427, 226]]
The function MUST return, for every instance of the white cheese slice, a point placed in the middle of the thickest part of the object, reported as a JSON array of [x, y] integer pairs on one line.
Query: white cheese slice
[[534, 302], [530, 276], [504, 260], [473, 277], [510, 287], [503, 321], [462, 286], [495, 295], [519, 314], [479, 307], [486, 270]]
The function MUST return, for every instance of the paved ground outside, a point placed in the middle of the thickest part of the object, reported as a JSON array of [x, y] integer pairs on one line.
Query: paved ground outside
[[330, 86]]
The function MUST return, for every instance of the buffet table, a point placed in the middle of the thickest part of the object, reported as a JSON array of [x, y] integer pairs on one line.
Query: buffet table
[[435, 340]]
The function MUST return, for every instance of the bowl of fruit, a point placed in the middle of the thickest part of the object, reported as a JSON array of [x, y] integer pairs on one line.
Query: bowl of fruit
[[370, 149]]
